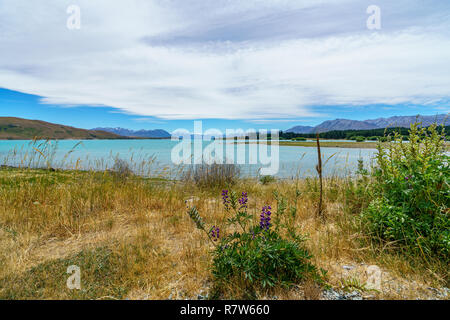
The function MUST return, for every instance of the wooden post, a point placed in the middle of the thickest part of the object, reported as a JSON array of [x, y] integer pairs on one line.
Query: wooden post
[[319, 171]]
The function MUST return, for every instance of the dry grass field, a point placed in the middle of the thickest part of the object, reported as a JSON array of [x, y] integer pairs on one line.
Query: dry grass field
[[132, 238]]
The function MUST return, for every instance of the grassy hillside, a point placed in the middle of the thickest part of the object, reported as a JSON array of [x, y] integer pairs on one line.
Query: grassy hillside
[[23, 129]]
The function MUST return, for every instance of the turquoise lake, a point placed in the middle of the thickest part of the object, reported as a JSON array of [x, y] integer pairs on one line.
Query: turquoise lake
[[153, 157]]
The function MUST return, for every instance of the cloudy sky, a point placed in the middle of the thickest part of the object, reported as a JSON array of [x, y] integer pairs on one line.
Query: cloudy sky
[[162, 63]]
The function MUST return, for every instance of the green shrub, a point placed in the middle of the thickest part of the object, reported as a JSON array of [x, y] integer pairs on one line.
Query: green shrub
[[267, 179], [357, 138], [299, 139], [412, 193], [101, 277], [265, 254]]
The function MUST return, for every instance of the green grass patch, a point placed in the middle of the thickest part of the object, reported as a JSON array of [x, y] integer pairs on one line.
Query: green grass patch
[[100, 278]]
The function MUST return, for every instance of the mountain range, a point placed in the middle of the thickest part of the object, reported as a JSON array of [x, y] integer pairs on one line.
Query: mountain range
[[24, 129], [346, 124], [157, 133]]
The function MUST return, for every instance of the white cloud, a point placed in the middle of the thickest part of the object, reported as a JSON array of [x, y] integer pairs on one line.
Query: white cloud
[[111, 61]]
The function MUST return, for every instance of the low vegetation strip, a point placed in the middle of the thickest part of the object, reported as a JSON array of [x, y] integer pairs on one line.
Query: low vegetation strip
[[329, 144]]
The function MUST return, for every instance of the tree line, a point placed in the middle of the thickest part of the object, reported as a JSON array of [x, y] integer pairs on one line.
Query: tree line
[[371, 134]]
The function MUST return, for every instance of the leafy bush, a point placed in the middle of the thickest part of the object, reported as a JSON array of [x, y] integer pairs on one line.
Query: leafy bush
[[267, 179], [299, 139], [412, 193], [264, 254], [357, 138]]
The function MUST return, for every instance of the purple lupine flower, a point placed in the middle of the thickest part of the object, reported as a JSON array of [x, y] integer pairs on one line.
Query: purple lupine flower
[[215, 233], [265, 218], [225, 198], [243, 201]]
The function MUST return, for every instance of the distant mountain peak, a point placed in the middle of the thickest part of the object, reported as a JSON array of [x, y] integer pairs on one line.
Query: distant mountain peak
[[142, 133], [346, 124], [301, 129]]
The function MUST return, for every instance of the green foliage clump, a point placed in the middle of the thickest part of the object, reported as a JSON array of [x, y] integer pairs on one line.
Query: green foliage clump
[[411, 204], [299, 139], [100, 272], [358, 138], [267, 179], [259, 255]]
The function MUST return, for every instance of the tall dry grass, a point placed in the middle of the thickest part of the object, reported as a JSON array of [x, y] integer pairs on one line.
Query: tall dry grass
[[212, 176]]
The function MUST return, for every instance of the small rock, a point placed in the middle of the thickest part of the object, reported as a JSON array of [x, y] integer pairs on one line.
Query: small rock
[[332, 295], [434, 290], [354, 295], [348, 267], [336, 295], [191, 200]]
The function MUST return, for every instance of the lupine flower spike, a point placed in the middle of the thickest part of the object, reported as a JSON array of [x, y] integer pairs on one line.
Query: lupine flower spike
[[243, 201], [215, 233], [225, 198], [265, 218]]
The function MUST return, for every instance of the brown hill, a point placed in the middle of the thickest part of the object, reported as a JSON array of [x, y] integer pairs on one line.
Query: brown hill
[[23, 129]]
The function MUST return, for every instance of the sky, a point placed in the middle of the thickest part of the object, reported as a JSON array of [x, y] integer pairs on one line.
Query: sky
[[234, 64]]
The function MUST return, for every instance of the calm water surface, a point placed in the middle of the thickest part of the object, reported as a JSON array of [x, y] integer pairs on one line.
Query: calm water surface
[[153, 157]]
